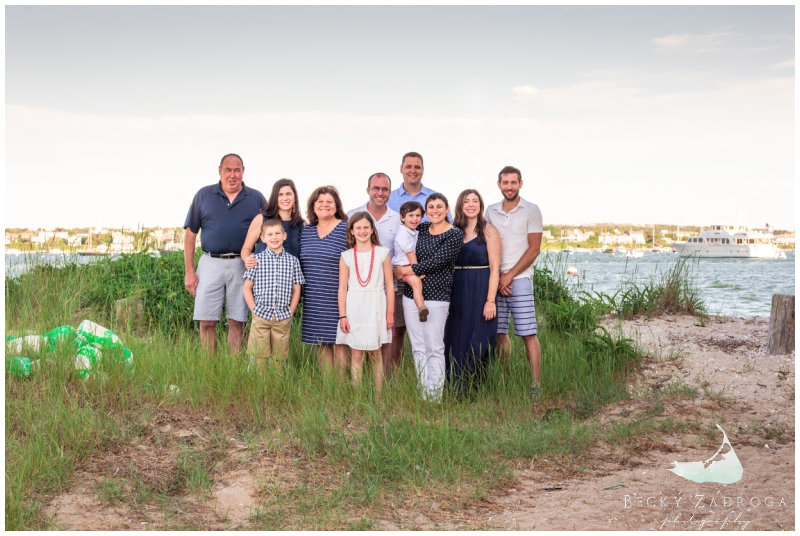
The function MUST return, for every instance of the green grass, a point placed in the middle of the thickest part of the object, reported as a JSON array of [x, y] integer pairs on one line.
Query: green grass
[[387, 446], [669, 291]]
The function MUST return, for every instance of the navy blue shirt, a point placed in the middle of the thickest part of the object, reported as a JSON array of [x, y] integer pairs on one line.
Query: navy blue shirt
[[224, 223]]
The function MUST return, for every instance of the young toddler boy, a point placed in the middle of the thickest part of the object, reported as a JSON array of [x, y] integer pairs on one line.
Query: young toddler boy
[[405, 243], [272, 292]]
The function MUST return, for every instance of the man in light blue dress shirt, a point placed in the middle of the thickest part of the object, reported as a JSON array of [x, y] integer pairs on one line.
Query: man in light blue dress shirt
[[412, 189]]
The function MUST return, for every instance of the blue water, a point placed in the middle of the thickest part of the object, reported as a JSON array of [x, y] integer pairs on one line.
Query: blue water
[[21, 263], [731, 287]]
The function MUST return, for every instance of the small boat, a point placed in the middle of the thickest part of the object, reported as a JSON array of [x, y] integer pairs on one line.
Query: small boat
[[90, 253], [621, 250], [635, 254], [607, 250], [569, 250], [583, 250], [729, 241]]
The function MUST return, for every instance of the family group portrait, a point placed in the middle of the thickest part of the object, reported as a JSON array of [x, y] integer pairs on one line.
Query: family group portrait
[[395, 268], [457, 287]]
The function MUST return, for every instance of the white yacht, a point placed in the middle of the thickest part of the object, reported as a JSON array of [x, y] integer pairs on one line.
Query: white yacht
[[737, 241]]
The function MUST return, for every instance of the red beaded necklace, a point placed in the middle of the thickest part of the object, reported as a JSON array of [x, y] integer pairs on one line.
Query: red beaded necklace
[[371, 262]]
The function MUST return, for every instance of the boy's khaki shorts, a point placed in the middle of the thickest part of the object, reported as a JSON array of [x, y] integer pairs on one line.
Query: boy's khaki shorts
[[269, 338]]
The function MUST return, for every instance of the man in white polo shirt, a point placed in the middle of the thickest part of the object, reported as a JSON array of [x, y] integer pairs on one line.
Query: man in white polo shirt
[[387, 221], [519, 223]]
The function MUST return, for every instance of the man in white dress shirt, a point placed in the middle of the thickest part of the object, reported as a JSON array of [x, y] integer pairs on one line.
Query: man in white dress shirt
[[387, 221]]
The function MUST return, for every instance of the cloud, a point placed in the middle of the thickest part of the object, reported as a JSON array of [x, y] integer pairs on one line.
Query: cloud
[[593, 94], [788, 64], [525, 92], [709, 42], [611, 131]]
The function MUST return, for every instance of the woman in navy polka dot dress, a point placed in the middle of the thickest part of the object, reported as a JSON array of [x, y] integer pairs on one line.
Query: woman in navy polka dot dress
[[438, 245]]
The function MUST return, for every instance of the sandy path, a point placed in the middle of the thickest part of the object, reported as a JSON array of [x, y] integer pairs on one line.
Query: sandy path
[[730, 356]]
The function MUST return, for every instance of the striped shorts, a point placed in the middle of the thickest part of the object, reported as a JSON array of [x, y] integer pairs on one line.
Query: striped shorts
[[519, 305]]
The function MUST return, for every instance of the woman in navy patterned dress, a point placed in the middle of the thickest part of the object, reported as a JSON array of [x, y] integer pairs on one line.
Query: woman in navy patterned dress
[[321, 246]]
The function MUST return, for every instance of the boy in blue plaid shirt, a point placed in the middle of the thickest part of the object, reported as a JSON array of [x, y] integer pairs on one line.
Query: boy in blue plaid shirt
[[272, 292]]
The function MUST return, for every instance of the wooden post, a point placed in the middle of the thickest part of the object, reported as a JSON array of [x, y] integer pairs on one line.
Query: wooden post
[[781, 325]]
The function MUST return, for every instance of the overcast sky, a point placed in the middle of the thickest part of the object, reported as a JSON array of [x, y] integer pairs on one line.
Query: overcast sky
[[118, 115]]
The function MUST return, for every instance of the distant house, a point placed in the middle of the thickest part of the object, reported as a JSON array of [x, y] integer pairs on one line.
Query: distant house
[[547, 234], [121, 242], [121, 238], [636, 237], [42, 236], [608, 238], [576, 235], [787, 238]]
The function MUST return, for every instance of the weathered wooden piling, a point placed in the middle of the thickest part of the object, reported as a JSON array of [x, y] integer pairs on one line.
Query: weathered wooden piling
[[781, 325]]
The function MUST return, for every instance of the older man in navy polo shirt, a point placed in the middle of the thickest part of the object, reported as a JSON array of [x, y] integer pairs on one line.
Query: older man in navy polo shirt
[[223, 211]]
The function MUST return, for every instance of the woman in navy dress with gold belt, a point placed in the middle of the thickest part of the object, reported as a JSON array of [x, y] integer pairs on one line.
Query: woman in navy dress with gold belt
[[471, 330]]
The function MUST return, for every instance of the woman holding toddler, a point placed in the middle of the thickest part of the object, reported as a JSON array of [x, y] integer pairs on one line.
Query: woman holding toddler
[[438, 245]]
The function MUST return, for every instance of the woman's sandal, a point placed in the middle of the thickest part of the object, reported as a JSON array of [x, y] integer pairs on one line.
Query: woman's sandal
[[423, 314]]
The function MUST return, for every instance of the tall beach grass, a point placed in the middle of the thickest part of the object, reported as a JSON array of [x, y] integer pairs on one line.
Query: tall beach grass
[[388, 443]]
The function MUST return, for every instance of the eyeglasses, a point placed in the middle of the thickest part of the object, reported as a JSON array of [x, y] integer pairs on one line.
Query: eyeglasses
[[377, 189]]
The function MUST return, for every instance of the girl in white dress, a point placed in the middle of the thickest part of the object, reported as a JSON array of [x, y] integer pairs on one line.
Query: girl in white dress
[[366, 305]]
